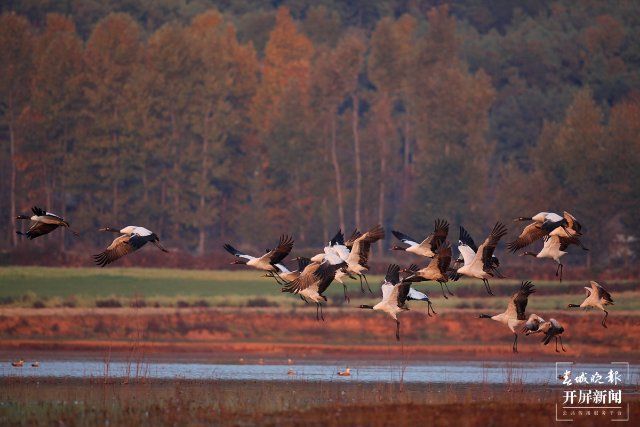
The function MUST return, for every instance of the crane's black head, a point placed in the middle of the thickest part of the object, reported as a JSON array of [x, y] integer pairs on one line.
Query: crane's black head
[[484, 316], [366, 306]]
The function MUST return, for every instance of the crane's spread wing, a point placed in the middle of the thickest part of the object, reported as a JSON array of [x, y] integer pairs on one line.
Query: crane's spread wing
[[466, 239], [439, 235], [40, 229], [393, 274], [354, 236], [362, 245], [233, 251], [305, 280], [572, 222], [283, 249], [120, 247], [530, 234], [443, 256], [404, 238], [487, 248], [402, 289], [518, 303], [601, 292]]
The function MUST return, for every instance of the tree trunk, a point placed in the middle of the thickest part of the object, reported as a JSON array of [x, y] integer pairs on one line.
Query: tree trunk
[[356, 147], [336, 170], [13, 237], [203, 183], [381, 195], [406, 162]]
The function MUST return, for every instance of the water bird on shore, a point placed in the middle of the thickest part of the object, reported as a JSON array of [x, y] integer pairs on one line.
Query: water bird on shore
[[428, 247], [131, 239], [291, 372], [545, 224], [436, 270], [266, 262], [481, 264], [35, 364], [555, 247], [18, 363], [394, 296], [550, 329], [597, 297], [43, 223], [514, 316], [345, 373]]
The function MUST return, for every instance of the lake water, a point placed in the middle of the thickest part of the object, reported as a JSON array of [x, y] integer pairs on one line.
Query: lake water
[[434, 372]]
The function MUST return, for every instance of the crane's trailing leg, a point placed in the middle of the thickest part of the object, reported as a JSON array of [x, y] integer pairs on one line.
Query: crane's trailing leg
[[346, 296], [561, 345], [487, 287], [604, 319], [367, 282], [448, 290], [397, 330], [430, 307], [515, 343], [443, 294]]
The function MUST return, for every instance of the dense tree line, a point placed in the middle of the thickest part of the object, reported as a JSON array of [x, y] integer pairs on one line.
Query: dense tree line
[[210, 120]]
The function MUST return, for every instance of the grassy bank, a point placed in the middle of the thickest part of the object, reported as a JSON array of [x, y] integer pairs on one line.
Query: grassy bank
[[125, 287]]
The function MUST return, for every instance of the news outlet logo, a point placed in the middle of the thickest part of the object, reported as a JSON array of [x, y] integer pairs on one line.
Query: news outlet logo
[[589, 392]]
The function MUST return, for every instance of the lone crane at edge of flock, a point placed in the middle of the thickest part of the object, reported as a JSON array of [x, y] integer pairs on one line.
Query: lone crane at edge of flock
[[43, 223], [597, 297], [132, 238]]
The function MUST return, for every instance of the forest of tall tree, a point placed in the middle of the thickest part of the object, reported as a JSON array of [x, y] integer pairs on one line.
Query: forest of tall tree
[[209, 120]]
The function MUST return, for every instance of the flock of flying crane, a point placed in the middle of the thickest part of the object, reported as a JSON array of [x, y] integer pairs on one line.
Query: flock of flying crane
[[349, 258]]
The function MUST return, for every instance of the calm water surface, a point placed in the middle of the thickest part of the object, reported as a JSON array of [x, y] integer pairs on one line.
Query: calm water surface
[[434, 372]]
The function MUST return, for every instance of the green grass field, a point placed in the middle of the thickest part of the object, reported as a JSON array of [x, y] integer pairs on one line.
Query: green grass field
[[23, 286]]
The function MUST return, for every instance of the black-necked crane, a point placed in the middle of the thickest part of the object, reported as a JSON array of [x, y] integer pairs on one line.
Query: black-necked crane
[[555, 247], [285, 275], [481, 264], [337, 247], [415, 295], [336, 243], [514, 316], [545, 224], [132, 238], [314, 281], [43, 223], [550, 329], [597, 297], [394, 296], [428, 247], [358, 257], [266, 262], [437, 270], [532, 324]]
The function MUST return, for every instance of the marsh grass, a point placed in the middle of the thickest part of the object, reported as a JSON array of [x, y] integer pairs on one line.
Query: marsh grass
[[74, 402]]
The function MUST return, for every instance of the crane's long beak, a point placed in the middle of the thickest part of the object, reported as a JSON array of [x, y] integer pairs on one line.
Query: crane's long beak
[[160, 246]]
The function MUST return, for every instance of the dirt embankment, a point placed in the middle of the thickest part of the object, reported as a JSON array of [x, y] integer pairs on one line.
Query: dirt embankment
[[295, 333]]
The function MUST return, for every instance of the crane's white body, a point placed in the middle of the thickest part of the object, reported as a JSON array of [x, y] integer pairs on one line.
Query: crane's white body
[[472, 263]]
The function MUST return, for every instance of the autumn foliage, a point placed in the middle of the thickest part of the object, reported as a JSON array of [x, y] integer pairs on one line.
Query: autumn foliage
[[250, 121]]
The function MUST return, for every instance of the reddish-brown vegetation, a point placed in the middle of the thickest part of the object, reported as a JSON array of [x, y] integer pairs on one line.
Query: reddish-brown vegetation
[[277, 333]]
